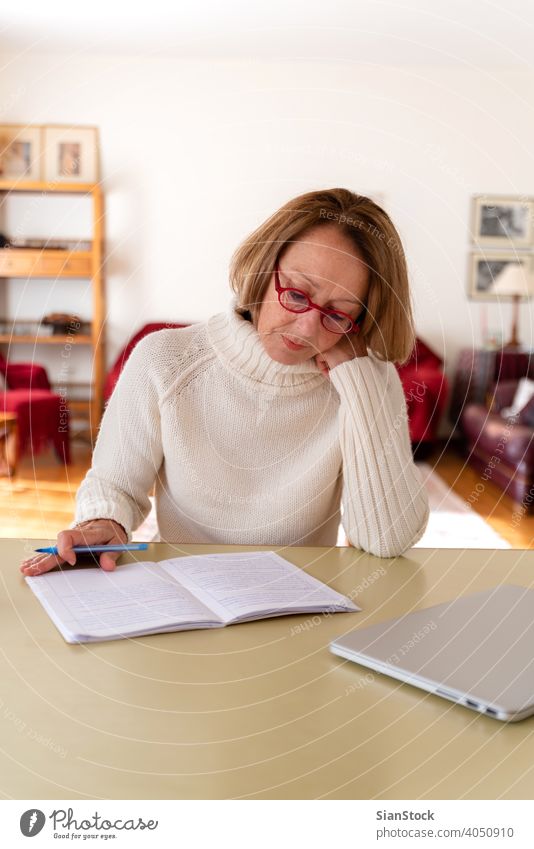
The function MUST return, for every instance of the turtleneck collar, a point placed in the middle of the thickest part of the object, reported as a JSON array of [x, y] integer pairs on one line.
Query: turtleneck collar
[[238, 346]]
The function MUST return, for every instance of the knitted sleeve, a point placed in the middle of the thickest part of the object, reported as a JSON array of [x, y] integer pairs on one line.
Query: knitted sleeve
[[128, 452], [385, 505]]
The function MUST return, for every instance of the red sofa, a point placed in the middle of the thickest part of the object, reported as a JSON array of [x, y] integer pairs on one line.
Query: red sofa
[[113, 374], [426, 389], [42, 417]]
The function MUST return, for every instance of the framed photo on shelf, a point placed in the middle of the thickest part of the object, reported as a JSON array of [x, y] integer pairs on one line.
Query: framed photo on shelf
[[503, 221], [71, 154], [500, 274], [20, 152]]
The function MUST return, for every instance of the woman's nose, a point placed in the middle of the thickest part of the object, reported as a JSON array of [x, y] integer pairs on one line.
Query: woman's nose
[[308, 324]]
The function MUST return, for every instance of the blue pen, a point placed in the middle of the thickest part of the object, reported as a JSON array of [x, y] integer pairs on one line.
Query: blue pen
[[97, 549]]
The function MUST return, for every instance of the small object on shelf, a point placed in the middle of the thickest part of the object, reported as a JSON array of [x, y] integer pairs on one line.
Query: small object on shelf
[[63, 323]]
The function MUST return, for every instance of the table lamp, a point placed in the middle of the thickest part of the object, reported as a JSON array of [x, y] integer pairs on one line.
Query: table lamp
[[515, 281]]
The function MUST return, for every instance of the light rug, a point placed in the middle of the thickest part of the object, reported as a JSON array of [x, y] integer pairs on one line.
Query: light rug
[[452, 524]]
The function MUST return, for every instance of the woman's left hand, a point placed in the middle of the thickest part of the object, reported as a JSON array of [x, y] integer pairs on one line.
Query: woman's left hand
[[349, 347]]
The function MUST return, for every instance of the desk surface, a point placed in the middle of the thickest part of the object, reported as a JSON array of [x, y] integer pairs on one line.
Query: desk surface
[[257, 710]]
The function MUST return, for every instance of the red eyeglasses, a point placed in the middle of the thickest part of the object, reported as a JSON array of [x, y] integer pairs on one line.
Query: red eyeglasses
[[297, 301]]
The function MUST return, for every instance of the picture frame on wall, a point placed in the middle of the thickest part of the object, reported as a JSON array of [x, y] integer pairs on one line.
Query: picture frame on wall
[[503, 221], [20, 152], [70, 154], [500, 275]]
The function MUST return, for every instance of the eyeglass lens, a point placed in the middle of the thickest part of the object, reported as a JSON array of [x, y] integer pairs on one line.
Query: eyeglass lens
[[298, 302]]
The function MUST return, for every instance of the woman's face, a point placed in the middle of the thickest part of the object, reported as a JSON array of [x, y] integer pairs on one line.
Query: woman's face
[[326, 265]]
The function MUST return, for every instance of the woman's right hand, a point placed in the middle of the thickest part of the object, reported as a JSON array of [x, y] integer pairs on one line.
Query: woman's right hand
[[92, 532]]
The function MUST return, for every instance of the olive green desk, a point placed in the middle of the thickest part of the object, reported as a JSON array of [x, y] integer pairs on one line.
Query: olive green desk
[[256, 711]]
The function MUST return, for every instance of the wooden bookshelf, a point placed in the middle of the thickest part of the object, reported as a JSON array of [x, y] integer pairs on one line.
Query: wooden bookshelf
[[50, 263]]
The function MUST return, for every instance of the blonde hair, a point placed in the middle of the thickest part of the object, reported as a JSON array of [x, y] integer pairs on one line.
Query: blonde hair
[[387, 329]]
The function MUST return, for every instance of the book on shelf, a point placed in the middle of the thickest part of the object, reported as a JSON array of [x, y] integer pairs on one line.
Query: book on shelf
[[39, 327], [183, 593], [49, 244]]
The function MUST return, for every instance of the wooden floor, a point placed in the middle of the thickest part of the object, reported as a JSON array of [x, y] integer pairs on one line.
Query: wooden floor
[[39, 502], [497, 509]]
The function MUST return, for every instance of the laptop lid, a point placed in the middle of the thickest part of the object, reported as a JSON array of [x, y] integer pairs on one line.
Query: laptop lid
[[477, 650]]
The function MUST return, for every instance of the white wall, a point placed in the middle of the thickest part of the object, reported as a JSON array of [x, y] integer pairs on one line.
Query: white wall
[[196, 154]]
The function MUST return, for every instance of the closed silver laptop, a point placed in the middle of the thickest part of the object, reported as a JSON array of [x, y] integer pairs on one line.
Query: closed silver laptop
[[477, 650]]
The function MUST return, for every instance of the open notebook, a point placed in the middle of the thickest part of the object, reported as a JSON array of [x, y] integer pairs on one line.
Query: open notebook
[[202, 591]]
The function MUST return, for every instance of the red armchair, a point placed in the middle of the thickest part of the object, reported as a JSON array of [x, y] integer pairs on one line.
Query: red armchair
[[426, 389], [113, 374], [42, 416]]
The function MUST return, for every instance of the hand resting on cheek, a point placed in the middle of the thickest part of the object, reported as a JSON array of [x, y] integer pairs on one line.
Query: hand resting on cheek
[[348, 347]]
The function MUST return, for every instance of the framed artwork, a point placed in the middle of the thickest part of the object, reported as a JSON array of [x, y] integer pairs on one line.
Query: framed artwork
[[20, 152], [71, 154], [501, 221], [497, 275]]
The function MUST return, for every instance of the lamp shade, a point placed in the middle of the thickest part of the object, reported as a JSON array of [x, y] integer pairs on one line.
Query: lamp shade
[[515, 279]]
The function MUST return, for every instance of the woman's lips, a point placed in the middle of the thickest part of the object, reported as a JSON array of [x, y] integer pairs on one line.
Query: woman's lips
[[293, 346]]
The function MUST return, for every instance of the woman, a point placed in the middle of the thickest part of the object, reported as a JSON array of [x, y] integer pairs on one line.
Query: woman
[[256, 425]]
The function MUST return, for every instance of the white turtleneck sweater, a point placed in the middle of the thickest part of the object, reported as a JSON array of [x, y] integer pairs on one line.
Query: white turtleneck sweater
[[245, 450]]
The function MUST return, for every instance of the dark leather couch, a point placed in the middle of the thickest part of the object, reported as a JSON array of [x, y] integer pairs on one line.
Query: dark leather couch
[[502, 450]]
